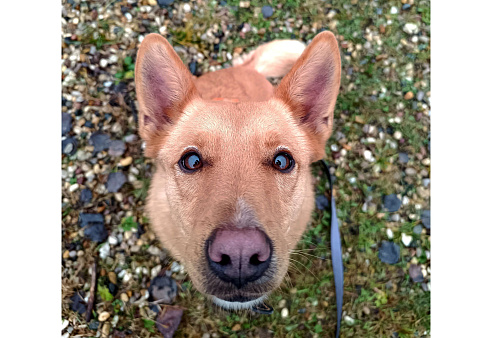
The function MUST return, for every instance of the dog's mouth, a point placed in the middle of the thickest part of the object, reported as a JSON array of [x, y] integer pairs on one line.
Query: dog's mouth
[[238, 302]]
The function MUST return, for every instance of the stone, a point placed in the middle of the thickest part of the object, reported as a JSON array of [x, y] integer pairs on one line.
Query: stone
[[86, 219], [389, 233], [164, 3], [66, 123], [116, 148], [392, 203], [417, 229], [85, 196], [406, 239], [403, 157], [236, 327], [106, 329], [78, 303], [124, 162], [94, 325], [124, 297], [415, 273], [349, 320], [115, 181], [113, 240], [322, 202], [397, 135], [100, 141], [69, 146], [267, 11], [186, 8], [395, 217], [284, 313], [411, 28], [410, 171], [425, 217], [389, 252], [96, 233], [408, 96], [112, 277], [163, 288]]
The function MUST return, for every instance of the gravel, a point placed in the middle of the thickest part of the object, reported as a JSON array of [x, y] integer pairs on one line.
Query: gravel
[[100, 141], [164, 289], [322, 202], [389, 252], [415, 273], [392, 203], [66, 123], [115, 181], [85, 196], [425, 217], [116, 148], [267, 11]]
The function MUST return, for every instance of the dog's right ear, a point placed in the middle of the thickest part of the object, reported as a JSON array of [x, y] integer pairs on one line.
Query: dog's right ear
[[164, 87]]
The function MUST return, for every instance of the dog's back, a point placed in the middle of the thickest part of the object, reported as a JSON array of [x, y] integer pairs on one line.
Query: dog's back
[[246, 81]]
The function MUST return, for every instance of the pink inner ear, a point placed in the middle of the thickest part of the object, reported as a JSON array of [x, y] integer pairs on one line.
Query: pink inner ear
[[314, 94], [157, 89]]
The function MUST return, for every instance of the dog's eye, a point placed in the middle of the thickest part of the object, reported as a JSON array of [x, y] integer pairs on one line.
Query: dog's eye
[[283, 162], [190, 162]]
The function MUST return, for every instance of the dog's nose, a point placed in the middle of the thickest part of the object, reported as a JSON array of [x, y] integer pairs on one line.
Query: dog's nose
[[239, 256]]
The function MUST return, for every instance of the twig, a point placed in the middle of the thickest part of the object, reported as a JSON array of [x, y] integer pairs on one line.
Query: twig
[[90, 303]]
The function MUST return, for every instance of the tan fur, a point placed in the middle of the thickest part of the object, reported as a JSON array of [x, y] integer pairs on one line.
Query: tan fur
[[237, 142]]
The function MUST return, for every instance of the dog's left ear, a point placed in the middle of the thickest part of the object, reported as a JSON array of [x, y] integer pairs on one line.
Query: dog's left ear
[[310, 89]]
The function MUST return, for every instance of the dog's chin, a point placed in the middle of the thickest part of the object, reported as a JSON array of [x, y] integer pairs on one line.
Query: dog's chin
[[238, 304]]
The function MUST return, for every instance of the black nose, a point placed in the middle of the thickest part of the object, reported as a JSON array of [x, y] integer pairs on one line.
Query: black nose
[[239, 256]]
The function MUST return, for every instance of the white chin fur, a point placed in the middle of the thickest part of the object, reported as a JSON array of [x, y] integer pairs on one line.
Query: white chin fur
[[237, 305]]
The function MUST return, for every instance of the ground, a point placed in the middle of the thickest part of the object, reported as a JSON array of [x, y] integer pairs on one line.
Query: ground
[[380, 149]]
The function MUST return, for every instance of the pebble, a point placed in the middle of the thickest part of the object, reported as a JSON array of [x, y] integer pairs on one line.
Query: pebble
[[389, 252], [406, 239], [112, 240], [284, 313], [426, 182], [322, 202], [103, 63], [397, 135], [425, 217], [417, 229], [410, 171], [389, 233], [124, 297], [415, 273], [392, 203], [104, 250], [394, 10], [105, 330], [116, 148], [402, 157], [282, 303], [366, 310], [408, 96], [66, 123], [267, 11], [410, 28], [85, 196], [112, 277], [78, 303], [349, 320], [186, 8], [164, 3], [368, 155], [420, 95], [163, 288], [126, 161], [395, 217], [69, 146], [100, 141], [96, 232], [73, 187], [115, 181]]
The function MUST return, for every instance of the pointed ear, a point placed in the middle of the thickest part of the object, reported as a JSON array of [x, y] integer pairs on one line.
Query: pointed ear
[[164, 87], [310, 89]]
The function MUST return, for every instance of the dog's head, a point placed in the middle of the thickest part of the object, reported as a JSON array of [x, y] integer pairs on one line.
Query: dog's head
[[232, 191]]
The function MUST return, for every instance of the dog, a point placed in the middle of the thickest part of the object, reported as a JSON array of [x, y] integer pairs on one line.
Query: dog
[[232, 191]]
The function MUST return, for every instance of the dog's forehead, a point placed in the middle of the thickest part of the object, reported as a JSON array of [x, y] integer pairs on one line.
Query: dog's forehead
[[248, 122]]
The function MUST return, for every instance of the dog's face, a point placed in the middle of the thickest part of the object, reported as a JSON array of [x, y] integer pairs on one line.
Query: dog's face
[[232, 192]]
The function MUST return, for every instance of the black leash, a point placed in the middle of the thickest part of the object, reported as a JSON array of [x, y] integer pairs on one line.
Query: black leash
[[336, 257]]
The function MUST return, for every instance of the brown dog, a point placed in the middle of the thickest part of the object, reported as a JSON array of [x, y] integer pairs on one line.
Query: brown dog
[[232, 192]]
